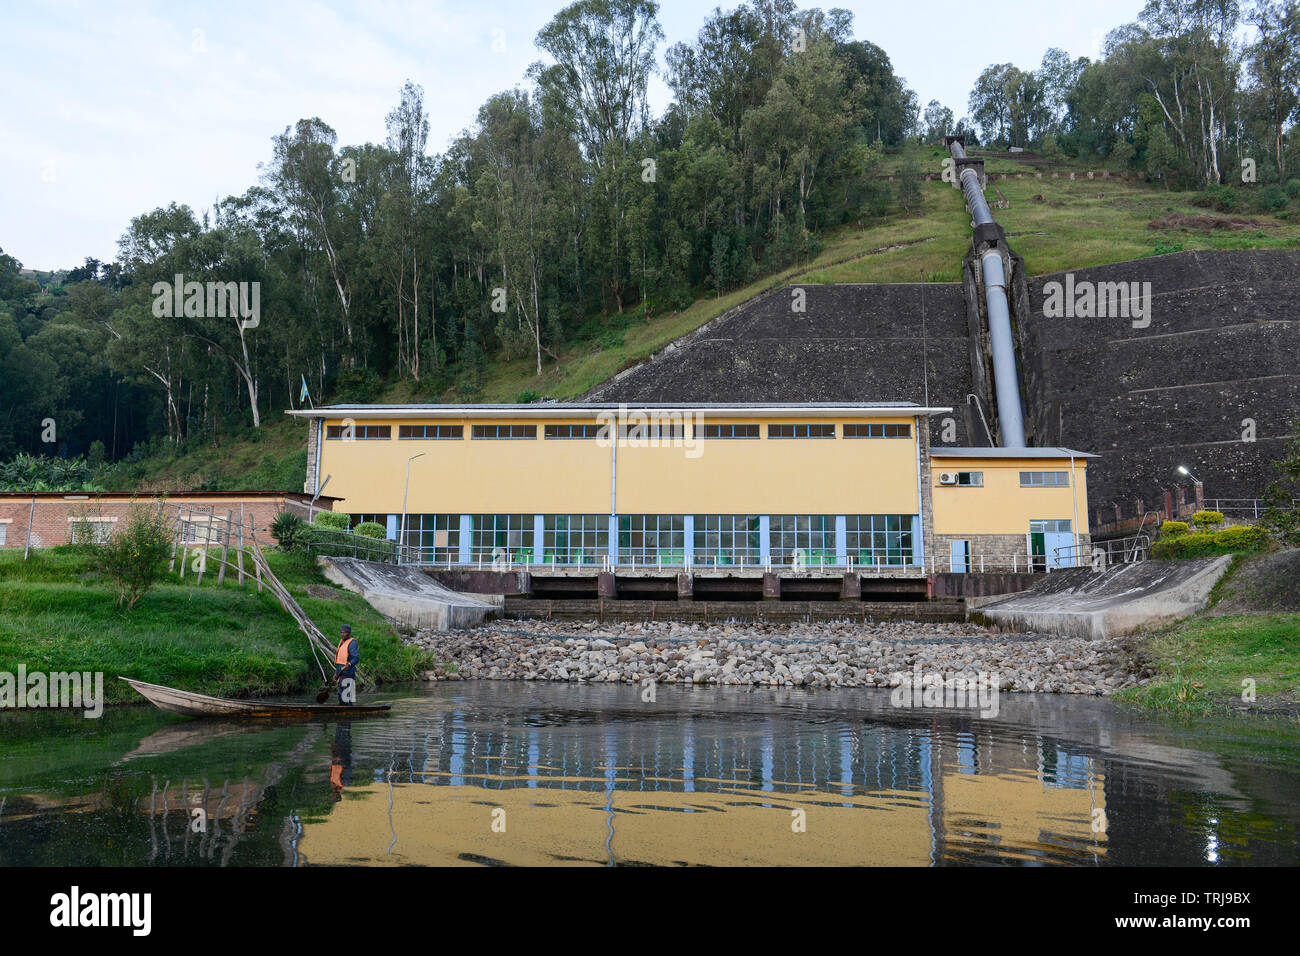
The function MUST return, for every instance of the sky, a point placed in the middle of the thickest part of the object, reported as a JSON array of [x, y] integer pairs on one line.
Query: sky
[[113, 109]]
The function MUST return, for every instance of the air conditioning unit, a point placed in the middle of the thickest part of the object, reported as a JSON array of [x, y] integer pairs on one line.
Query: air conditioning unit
[[947, 477]]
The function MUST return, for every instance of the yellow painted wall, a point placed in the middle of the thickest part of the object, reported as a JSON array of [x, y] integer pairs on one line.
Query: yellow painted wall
[[1002, 506], [572, 476]]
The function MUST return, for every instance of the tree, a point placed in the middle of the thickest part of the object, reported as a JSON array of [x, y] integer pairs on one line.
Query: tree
[[1280, 497], [137, 553], [1274, 65], [936, 122]]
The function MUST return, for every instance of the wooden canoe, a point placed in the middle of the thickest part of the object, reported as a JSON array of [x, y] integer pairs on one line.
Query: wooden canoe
[[201, 705]]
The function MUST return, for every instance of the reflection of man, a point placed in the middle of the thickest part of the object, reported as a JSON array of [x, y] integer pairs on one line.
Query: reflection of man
[[345, 666], [341, 760]]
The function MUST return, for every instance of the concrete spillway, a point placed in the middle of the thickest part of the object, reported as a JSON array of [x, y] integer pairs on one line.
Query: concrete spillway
[[1082, 603], [408, 595]]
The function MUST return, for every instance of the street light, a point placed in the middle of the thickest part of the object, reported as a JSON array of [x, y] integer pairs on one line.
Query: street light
[[312, 507], [401, 535], [1182, 470]]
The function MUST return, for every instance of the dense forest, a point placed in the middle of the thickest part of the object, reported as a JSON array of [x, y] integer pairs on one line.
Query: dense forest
[[567, 205]]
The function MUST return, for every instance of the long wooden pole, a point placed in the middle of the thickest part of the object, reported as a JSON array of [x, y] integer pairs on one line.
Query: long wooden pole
[[225, 548], [31, 516]]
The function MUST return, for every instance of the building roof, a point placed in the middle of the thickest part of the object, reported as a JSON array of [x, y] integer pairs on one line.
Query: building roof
[[223, 495], [587, 409], [1009, 453]]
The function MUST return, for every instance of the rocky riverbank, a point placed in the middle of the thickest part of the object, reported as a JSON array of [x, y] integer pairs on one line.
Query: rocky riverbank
[[836, 654]]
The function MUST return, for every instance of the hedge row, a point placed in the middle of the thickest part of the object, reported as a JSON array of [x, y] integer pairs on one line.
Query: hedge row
[[1207, 543]]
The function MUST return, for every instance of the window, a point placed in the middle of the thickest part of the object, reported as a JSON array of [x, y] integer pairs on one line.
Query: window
[[879, 539], [1050, 526], [195, 531], [727, 539], [808, 539], [505, 431], [381, 520], [99, 531], [502, 538], [359, 432], [434, 539], [1044, 479], [430, 431], [971, 479], [878, 431], [4, 530], [801, 430], [727, 431], [575, 539], [576, 431], [651, 539], [653, 431]]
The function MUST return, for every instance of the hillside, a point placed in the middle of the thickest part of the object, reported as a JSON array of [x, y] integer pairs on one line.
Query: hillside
[[1054, 223]]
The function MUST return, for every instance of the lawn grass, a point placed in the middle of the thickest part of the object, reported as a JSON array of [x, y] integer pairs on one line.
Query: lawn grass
[[58, 613], [1203, 662]]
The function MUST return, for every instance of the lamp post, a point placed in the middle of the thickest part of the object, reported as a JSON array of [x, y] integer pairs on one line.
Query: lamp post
[[1200, 486], [401, 534]]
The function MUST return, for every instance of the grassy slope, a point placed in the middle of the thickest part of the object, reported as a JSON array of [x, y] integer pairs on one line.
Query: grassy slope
[[1074, 225], [1202, 661], [57, 613]]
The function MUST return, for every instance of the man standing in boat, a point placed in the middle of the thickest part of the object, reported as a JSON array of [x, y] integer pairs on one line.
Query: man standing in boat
[[345, 666]]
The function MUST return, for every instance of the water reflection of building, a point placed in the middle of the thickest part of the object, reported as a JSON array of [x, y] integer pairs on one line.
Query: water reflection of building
[[709, 789]]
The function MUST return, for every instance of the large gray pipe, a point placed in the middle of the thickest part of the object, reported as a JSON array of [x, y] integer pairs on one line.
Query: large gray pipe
[[1011, 415], [1006, 383]]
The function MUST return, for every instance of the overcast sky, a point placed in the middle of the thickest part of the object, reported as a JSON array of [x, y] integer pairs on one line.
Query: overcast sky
[[113, 109]]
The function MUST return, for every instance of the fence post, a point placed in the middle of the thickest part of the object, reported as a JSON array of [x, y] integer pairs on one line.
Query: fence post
[[176, 541], [239, 555]]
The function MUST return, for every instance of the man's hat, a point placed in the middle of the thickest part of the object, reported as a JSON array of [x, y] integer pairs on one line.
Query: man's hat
[[345, 629]]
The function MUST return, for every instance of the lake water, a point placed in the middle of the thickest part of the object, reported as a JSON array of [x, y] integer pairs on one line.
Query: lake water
[[530, 773]]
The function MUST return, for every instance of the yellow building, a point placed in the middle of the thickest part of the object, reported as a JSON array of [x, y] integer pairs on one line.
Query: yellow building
[[726, 485]]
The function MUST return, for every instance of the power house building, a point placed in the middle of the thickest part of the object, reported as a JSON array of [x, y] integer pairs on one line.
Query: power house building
[[736, 486]]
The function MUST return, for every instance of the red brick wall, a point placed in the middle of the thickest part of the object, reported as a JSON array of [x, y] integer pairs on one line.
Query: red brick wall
[[51, 527]]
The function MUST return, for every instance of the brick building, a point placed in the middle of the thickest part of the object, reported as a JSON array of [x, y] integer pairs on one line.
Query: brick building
[[52, 515]]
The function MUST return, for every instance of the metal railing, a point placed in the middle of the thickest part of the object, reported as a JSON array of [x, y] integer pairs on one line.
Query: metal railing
[[1103, 554], [662, 559], [336, 543], [1252, 508], [985, 563]]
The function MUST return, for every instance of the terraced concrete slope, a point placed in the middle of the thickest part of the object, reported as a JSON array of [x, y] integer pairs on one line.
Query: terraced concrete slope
[[1082, 603], [1222, 351], [851, 343]]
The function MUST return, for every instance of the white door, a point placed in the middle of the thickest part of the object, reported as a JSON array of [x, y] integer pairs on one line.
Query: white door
[[960, 563], [1054, 540]]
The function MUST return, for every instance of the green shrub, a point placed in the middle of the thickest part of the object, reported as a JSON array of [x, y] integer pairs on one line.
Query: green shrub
[[135, 557], [1293, 188], [1172, 529], [1272, 198], [371, 529], [1242, 537], [1207, 519], [1203, 544], [336, 520], [290, 531]]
